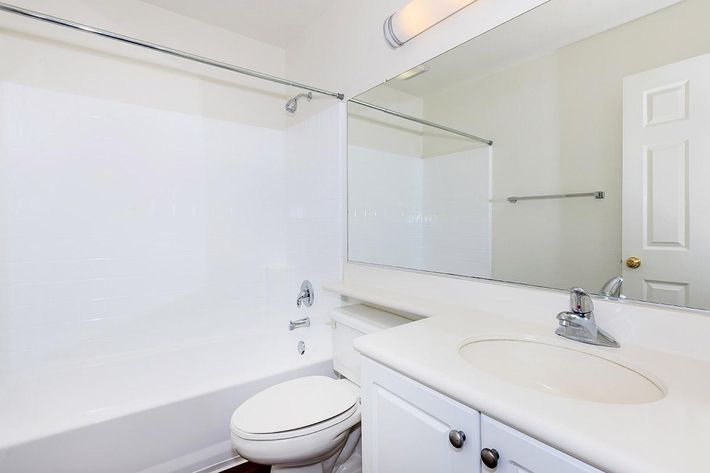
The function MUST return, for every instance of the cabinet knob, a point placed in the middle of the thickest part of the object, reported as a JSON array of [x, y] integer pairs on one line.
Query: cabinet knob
[[457, 438], [489, 457]]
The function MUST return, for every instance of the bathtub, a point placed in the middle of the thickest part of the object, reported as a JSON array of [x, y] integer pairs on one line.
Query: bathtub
[[166, 411]]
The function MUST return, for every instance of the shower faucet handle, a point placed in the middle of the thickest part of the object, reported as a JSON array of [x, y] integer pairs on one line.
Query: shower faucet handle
[[306, 296]]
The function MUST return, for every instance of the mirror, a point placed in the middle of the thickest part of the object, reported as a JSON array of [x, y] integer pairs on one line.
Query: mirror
[[599, 166]]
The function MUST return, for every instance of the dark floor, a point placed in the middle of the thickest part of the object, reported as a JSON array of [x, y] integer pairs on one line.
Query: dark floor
[[249, 468]]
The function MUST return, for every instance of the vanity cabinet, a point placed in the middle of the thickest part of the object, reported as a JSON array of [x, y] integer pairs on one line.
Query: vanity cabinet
[[519, 453], [411, 428]]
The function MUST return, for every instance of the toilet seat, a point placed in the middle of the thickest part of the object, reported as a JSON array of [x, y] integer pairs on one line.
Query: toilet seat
[[296, 408], [289, 434]]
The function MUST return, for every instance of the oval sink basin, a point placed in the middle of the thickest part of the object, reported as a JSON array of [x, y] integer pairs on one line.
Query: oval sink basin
[[561, 371]]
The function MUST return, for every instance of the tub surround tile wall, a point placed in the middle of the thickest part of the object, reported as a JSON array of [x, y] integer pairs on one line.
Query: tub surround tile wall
[[431, 213], [456, 205], [384, 207], [160, 218], [134, 236], [315, 205], [126, 221]]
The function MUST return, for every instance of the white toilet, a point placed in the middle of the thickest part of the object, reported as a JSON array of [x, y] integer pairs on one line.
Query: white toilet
[[312, 424]]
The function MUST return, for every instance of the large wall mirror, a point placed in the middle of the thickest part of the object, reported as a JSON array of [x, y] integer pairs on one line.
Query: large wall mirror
[[599, 167]]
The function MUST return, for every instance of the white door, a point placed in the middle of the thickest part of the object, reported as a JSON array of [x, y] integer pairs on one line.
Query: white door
[[406, 427], [518, 453], [666, 184]]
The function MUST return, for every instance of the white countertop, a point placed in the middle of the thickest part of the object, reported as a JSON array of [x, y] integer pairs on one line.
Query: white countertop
[[670, 435]]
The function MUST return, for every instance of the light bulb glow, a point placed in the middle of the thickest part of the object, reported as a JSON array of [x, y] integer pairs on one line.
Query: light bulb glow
[[418, 16]]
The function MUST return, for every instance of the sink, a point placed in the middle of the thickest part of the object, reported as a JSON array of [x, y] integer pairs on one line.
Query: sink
[[560, 371]]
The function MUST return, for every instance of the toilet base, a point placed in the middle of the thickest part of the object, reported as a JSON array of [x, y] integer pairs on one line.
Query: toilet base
[[347, 459], [317, 468]]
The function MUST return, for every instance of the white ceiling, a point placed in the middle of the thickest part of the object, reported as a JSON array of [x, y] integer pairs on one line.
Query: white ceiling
[[277, 22]]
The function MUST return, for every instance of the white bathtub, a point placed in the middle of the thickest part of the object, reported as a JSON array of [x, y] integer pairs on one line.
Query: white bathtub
[[164, 411]]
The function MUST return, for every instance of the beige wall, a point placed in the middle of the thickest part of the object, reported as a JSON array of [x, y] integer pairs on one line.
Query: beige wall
[[376, 130], [348, 40], [556, 123], [54, 58]]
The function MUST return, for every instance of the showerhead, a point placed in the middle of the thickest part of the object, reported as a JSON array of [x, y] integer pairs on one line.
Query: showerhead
[[292, 104]]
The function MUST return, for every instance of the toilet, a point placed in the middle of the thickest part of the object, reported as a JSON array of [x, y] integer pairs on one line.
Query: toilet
[[312, 424]]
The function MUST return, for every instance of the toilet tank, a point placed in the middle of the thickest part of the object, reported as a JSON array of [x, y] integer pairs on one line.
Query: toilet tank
[[353, 321]]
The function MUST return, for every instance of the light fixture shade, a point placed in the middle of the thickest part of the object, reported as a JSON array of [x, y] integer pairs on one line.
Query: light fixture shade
[[417, 16], [413, 72]]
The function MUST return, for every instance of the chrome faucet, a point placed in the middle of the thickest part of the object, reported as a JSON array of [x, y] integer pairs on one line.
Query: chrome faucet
[[306, 296], [294, 324], [578, 323], [612, 288]]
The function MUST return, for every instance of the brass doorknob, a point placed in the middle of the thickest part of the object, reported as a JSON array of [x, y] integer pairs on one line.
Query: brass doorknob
[[633, 262]]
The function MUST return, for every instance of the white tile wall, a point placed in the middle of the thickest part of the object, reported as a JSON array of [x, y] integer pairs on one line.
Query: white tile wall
[[456, 230], [431, 214], [127, 228], [156, 219], [384, 207], [315, 193]]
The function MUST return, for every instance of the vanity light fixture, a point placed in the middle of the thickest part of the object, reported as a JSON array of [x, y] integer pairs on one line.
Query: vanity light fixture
[[418, 16]]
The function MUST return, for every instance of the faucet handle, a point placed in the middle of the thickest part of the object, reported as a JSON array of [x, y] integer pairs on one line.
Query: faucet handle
[[612, 288], [580, 302], [306, 296]]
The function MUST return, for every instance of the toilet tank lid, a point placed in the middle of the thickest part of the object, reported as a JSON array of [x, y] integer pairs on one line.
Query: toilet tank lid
[[294, 404], [366, 319]]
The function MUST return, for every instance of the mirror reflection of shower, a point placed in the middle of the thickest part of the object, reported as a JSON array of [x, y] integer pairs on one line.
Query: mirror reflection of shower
[[292, 105]]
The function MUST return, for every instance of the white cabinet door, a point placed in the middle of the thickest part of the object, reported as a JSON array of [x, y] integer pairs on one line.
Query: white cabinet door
[[406, 426], [519, 453]]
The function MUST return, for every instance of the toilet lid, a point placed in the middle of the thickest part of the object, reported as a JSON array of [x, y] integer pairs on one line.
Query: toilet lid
[[294, 405]]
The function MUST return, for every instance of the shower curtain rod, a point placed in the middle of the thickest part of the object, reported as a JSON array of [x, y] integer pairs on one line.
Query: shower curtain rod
[[423, 122], [163, 49]]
